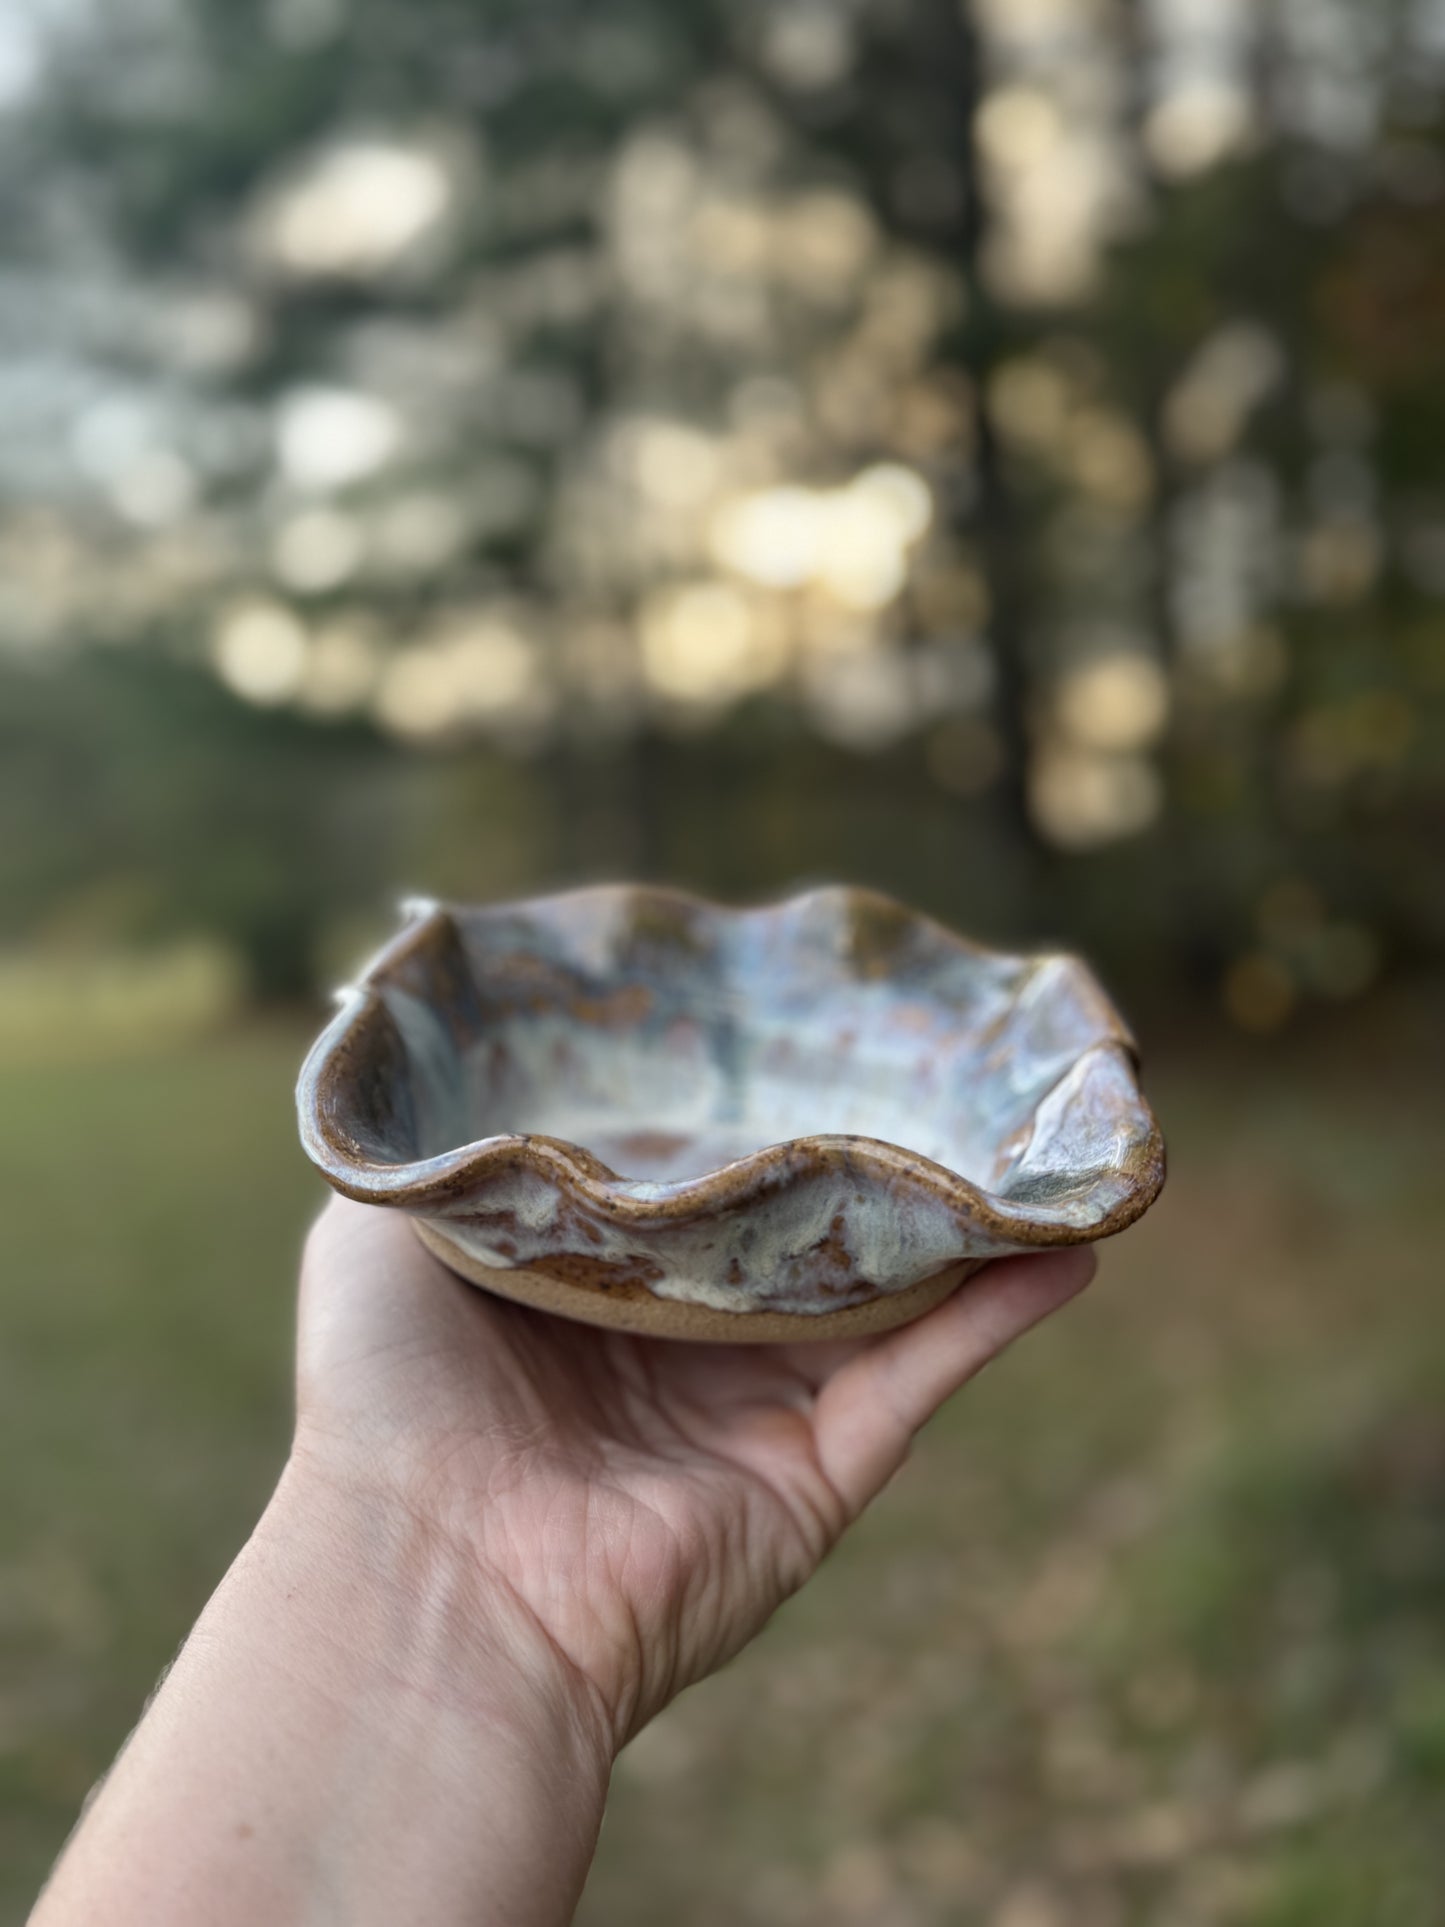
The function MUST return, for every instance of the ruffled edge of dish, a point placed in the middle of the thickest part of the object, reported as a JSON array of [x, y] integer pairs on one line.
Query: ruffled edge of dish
[[446, 1183]]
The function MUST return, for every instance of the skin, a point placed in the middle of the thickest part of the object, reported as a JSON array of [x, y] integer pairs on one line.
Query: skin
[[501, 1544]]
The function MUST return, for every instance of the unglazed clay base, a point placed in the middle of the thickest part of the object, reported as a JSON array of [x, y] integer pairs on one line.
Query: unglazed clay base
[[653, 1317]]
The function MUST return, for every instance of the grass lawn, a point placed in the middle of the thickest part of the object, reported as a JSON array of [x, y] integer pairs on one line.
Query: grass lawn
[[1151, 1629]]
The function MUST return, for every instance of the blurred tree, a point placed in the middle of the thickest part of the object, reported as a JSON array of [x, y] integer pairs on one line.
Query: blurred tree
[[1045, 402], [147, 802]]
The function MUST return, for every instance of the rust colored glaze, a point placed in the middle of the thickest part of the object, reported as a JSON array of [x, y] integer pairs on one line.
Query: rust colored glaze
[[741, 1123]]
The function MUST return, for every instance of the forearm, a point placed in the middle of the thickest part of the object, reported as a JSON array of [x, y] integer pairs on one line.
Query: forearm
[[357, 1731]]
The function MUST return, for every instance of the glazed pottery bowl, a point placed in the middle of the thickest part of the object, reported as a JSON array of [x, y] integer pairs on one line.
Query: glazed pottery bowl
[[646, 1111]]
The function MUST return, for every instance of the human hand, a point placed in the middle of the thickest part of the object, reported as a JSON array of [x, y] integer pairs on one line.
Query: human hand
[[501, 1544], [632, 1509]]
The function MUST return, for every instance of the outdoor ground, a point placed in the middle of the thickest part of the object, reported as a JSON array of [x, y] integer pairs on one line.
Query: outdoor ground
[[1151, 1629]]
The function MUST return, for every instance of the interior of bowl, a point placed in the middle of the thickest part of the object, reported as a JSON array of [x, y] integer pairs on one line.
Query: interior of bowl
[[669, 1038]]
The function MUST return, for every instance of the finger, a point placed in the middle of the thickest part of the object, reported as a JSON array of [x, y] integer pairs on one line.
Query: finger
[[868, 1412], [368, 1282], [361, 1236]]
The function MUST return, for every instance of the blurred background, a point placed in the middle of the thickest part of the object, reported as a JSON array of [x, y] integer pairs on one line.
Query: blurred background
[[989, 449]]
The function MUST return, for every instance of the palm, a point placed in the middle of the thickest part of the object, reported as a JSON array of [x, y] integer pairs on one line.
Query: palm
[[649, 1503]]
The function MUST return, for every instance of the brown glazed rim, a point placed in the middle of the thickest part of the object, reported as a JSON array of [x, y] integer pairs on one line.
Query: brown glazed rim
[[432, 1185]]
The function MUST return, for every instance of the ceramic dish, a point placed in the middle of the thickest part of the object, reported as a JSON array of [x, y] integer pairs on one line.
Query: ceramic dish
[[645, 1111]]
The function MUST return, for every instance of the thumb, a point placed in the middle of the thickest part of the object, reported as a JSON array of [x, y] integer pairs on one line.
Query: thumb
[[868, 1412]]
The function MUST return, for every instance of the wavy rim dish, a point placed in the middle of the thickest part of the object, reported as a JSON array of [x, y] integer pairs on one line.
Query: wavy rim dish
[[435, 1188]]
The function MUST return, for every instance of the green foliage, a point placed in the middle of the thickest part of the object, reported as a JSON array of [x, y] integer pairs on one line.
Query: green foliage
[[690, 256]]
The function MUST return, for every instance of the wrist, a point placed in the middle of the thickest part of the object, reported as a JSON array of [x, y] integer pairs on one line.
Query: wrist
[[360, 1728], [442, 1747], [388, 1602]]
